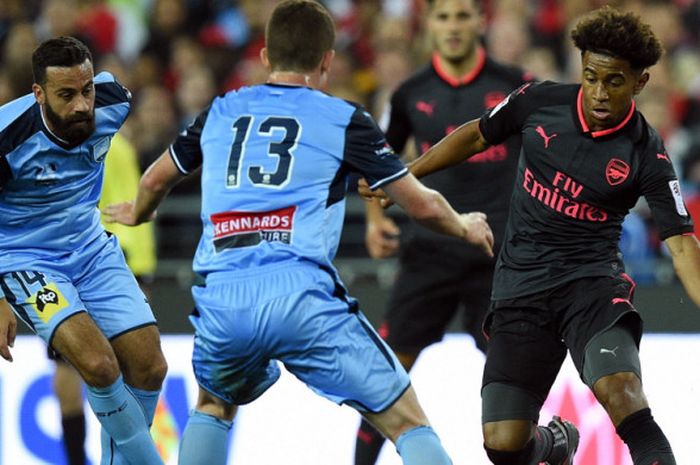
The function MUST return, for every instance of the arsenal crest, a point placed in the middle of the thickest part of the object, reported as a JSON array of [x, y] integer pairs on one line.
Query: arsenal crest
[[616, 172]]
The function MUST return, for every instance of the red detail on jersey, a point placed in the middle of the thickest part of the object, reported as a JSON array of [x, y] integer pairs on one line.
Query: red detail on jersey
[[616, 172], [540, 131], [232, 223], [633, 285], [663, 156], [619, 300], [491, 99], [425, 107], [495, 153], [364, 436], [383, 331], [558, 199], [604, 132], [523, 88], [467, 78]]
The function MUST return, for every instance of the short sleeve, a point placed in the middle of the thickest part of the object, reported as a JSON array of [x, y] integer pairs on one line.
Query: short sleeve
[[507, 118], [368, 152], [109, 91], [186, 151], [661, 188]]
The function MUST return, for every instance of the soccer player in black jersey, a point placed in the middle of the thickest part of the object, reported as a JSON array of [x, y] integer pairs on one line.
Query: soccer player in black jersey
[[439, 276], [587, 156]]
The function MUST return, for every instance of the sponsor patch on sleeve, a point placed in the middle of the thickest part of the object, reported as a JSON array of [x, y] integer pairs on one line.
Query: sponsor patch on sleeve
[[47, 302], [243, 229], [675, 187]]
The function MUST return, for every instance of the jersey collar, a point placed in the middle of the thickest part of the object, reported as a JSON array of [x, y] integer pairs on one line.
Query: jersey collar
[[604, 132], [467, 78]]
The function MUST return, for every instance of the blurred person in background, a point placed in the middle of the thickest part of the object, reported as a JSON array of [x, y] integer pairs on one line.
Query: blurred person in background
[[19, 45], [440, 278], [153, 123]]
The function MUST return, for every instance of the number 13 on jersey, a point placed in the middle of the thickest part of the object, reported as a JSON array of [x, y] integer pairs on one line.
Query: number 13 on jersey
[[283, 134]]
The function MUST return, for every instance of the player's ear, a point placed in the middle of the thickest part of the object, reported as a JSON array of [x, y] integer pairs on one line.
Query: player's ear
[[265, 59], [39, 93], [641, 82], [326, 61]]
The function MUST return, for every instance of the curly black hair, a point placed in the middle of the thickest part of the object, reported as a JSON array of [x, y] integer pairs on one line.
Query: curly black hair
[[622, 35]]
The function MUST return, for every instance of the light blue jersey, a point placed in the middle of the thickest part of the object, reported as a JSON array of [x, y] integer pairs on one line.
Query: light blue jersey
[[48, 190], [275, 161]]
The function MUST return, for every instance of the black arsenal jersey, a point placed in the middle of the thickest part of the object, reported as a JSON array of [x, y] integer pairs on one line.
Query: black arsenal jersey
[[429, 105], [574, 187]]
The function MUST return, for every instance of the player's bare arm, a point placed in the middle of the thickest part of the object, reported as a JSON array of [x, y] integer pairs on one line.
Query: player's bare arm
[[155, 184], [459, 145], [685, 251], [8, 329], [430, 208]]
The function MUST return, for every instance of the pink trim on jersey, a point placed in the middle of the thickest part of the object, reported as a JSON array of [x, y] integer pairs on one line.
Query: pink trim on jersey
[[628, 300], [604, 132], [467, 78]]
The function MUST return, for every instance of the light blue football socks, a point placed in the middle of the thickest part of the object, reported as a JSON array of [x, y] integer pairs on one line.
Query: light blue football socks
[[148, 401], [205, 440], [122, 416], [421, 446]]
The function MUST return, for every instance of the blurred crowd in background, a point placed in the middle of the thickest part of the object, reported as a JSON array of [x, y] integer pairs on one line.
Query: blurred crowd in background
[[175, 55]]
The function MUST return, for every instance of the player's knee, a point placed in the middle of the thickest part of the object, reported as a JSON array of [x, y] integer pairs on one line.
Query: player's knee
[[99, 369], [620, 393], [508, 435], [154, 372]]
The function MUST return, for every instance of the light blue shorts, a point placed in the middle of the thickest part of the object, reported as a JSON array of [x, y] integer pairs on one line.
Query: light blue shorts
[[297, 314], [93, 278]]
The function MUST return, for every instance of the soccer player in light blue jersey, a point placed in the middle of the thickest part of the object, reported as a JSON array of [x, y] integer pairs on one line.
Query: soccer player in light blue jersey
[[275, 160], [60, 272]]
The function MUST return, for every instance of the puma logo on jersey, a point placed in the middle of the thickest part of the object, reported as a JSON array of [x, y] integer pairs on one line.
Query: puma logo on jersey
[[426, 107], [540, 131], [662, 156], [603, 350]]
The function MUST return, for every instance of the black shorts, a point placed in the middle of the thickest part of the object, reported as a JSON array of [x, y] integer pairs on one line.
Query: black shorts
[[529, 336], [433, 285]]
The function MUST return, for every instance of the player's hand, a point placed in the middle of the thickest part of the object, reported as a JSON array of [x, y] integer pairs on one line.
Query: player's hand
[[382, 237], [8, 330], [368, 194], [123, 213], [478, 231]]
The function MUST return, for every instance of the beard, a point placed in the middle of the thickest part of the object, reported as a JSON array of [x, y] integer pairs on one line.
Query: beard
[[74, 129]]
